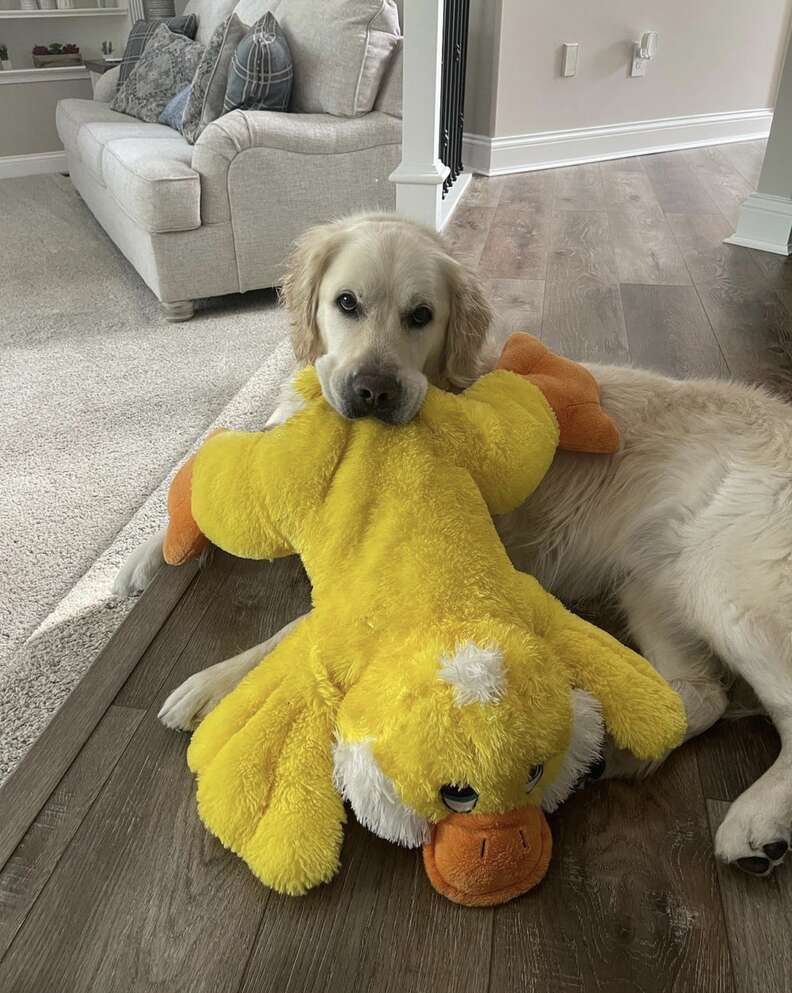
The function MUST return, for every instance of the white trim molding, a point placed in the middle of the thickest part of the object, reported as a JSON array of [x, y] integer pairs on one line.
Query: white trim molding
[[546, 149], [765, 222], [12, 166], [59, 74]]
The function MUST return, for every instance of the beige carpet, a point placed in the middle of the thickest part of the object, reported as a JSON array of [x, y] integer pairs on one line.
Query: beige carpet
[[99, 400]]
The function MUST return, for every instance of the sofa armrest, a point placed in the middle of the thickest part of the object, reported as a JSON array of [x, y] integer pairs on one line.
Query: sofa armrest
[[272, 175], [226, 141], [307, 134], [106, 85]]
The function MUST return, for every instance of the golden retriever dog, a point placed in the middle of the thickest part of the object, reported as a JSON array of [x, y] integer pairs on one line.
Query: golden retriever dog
[[688, 527]]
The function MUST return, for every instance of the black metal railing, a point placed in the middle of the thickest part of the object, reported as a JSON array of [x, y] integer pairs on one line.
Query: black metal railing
[[452, 92]]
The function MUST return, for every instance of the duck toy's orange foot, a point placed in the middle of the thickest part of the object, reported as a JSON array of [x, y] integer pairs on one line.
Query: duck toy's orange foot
[[481, 860]]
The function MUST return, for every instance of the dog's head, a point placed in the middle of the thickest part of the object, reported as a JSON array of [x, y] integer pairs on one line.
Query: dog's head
[[381, 308]]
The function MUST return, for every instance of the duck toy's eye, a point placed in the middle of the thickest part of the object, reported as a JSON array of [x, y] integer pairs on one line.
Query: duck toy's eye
[[460, 799], [533, 777]]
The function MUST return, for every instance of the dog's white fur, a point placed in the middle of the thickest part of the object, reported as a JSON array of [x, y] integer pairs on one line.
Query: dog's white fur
[[689, 527]]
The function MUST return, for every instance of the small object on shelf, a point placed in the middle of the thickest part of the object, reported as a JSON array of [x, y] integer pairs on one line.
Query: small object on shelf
[[47, 5], [29, 5], [56, 55], [65, 4], [107, 48], [99, 66], [5, 62]]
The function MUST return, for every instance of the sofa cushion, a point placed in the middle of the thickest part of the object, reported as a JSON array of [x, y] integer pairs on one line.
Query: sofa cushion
[[71, 114], [94, 137], [208, 86], [210, 13], [153, 182], [143, 31], [260, 76], [340, 49], [165, 67]]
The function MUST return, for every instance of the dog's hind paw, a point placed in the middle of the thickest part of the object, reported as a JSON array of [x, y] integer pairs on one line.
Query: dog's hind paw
[[754, 836]]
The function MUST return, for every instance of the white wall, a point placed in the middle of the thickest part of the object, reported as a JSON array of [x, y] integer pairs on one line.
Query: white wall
[[715, 56]]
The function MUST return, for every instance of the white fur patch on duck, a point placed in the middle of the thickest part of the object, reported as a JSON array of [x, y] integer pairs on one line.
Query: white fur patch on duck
[[475, 672], [374, 797]]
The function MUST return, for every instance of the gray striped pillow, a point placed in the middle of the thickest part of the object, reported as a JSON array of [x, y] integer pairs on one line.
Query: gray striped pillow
[[261, 72]]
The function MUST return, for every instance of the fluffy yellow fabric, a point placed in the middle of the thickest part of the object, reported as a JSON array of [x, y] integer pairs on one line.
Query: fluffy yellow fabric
[[394, 527]]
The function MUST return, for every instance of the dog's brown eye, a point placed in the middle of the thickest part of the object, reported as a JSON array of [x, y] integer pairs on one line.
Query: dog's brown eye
[[347, 302], [420, 317]]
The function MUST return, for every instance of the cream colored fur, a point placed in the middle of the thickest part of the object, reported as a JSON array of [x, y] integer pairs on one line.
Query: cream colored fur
[[689, 527]]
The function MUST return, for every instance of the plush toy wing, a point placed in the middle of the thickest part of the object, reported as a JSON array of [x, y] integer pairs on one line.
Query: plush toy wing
[[642, 712], [571, 391], [502, 431]]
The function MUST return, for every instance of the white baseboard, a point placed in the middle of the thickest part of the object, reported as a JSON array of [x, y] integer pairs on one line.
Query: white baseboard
[[546, 149], [765, 222], [455, 194], [32, 165]]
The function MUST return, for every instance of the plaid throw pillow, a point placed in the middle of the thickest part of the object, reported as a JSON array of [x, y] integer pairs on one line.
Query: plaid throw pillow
[[261, 73], [142, 32]]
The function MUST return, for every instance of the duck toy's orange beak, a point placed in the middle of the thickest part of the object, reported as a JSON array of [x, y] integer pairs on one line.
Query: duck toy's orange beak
[[480, 860]]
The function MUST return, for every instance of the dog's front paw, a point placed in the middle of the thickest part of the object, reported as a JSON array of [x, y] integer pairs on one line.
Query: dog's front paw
[[140, 567], [189, 703], [754, 835]]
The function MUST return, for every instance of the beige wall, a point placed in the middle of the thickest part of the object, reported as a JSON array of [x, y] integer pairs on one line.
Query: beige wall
[[27, 115], [482, 67], [714, 56]]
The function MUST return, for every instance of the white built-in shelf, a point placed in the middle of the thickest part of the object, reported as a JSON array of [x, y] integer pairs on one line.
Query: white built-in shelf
[[34, 15], [57, 74]]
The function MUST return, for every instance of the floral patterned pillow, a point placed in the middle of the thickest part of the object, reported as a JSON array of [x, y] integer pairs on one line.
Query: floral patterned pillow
[[166, 66]]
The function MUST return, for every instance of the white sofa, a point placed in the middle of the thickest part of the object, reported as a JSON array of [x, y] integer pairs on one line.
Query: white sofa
[[220, 216]]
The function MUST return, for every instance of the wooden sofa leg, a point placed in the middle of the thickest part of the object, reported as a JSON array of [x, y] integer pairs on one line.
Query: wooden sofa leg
[[181, 310]]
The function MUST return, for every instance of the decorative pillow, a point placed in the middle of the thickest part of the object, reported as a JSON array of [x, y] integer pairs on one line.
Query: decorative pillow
[[209, 85], [174, 109], [389, 97], [210, 13], [164, 68], [340, 50], [261, 73], [143, 31]]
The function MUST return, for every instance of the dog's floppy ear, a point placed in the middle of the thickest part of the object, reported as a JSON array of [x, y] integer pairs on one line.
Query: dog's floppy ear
[[299, 293], [469, 321]]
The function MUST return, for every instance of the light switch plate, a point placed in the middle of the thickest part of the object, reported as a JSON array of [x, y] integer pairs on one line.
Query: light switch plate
[[638, 64], [569, 59]]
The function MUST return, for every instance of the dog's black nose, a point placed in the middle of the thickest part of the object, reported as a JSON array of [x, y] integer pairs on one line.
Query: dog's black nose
[[376, 393]]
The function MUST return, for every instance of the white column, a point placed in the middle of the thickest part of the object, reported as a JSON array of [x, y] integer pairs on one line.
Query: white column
[[765, 220], [419, 177]]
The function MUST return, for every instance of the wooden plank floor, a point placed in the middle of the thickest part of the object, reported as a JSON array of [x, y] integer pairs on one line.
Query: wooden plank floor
[[113, 885]]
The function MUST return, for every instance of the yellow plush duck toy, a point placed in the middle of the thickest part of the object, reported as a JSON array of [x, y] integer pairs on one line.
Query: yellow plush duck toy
[[432, 685]]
